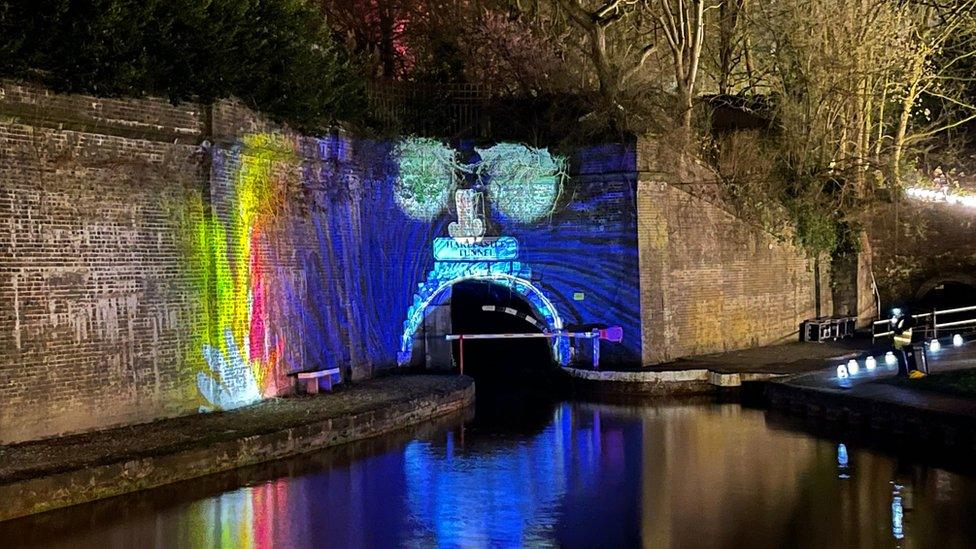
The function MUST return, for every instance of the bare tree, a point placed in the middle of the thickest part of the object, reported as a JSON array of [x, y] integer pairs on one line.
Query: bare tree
[[612, 73], [933, 26], [683, 23]]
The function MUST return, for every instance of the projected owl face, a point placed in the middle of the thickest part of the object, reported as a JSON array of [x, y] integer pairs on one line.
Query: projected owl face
[[523, 183]]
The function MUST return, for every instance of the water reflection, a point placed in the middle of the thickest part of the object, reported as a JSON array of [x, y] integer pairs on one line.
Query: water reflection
[[897, 512], [708, 475], [843, 464]]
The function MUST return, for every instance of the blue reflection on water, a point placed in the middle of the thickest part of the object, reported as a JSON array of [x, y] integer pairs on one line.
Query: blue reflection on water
[[486, 497], [843, 469]]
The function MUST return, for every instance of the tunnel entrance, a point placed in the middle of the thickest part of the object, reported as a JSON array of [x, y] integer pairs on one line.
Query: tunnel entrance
[[497, 360], [489, 361], [947, 295]]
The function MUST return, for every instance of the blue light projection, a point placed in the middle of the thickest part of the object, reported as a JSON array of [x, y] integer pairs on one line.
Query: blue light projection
[[587, 246], [355, 265], [511, 274], [364, 258]]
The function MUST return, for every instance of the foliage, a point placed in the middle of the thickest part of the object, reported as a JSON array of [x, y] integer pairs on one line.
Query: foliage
[[277, 56], [510, 58]]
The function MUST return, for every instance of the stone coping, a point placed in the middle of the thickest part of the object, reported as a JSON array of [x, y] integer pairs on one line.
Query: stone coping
[[658, 377], [48, 474], [894, 411]]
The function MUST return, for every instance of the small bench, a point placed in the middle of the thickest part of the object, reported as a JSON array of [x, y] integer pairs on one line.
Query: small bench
[[315, 380]]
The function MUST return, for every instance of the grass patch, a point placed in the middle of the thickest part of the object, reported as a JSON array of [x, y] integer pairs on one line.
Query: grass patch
[[958, 383]]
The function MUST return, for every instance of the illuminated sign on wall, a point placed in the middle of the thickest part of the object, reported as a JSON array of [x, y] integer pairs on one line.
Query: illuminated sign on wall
[[502, 248]]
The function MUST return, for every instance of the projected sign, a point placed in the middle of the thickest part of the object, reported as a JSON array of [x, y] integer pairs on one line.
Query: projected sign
[[503, 248]]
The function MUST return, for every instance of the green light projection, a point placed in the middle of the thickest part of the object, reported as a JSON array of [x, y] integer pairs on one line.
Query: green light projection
[[524, 183], [428, 172]]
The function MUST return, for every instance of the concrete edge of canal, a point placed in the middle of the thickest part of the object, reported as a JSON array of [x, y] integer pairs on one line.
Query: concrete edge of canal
[[894, 419], [70, 484], [661, 382]]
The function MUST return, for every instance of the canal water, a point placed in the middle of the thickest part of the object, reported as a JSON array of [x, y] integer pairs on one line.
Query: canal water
[[532, 472]]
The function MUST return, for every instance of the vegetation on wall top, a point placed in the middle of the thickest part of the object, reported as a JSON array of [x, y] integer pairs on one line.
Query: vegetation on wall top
[[277, 56]]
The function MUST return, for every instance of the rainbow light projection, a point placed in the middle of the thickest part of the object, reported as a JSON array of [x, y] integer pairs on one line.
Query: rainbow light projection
[[243, 360]]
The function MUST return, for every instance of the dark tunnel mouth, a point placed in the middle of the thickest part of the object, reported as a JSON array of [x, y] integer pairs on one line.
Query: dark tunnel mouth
[[495, 360], [947, 294]]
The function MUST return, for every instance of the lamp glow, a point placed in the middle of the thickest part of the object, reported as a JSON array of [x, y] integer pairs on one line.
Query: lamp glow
[[941, 195], [842, 372], [870, 363], [934, 345], [852, 366], [890, 359], [957, 340]]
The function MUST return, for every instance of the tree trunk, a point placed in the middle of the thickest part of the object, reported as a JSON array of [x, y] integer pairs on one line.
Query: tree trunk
[[604, 70], [686, 103], [898, 147], [387, 52]]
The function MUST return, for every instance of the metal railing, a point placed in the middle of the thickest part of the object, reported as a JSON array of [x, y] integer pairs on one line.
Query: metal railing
[[443, 109], [961, 318]]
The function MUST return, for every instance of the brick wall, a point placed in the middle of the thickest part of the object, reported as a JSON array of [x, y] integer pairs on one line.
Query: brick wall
[[159, 259], [916, 244], [95, 313], [710, 282]]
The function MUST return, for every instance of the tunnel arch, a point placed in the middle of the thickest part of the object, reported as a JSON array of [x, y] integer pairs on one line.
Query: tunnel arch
[[436, 289], [934, 282]]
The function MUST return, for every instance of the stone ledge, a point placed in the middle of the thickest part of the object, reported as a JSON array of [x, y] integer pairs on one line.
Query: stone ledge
[[900, 420], [658, 382], [90, 482]]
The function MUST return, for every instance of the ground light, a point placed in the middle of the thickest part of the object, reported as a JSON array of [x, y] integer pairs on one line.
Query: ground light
[[934, 345], [957, 340], [870, 363], [842, 372], [852, 366], [890, 359]]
